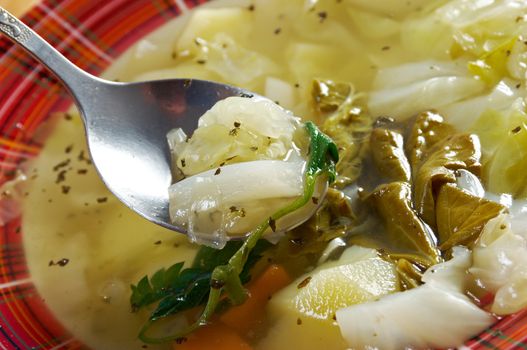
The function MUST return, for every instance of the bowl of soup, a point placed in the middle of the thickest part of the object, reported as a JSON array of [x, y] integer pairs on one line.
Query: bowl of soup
[[419, 242]]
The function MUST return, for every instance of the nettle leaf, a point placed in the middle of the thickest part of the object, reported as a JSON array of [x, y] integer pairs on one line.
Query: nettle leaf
[[324, 153], [177, 289], [160, 285]]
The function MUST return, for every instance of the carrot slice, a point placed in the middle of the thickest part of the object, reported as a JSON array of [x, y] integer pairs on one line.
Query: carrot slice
[[216, 336], [250, 314]]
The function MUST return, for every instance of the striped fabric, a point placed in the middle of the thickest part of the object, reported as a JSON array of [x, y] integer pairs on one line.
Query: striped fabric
[[91, 33]]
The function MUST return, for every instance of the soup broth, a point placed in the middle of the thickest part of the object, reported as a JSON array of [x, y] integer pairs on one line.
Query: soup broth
[[85, 248]]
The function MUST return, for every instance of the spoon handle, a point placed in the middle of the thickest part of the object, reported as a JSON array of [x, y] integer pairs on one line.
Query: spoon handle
[[75, 79]]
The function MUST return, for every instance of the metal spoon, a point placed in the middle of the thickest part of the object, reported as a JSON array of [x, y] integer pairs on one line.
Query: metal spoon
[[126, 123]]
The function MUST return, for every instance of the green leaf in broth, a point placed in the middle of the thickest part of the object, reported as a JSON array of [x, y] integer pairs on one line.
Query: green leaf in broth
[[347, 124], [160, 284], [329, 95], [409, 274], [387, 150], [504, 172], [428, 129], [461, 216], [332, 220], [438, 166], [407, 233]]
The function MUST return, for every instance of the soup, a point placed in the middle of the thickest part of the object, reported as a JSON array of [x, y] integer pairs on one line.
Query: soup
[[446, 56]]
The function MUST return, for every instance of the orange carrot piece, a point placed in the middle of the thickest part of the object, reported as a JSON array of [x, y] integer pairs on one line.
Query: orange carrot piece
[[215, 336], [247, 316]]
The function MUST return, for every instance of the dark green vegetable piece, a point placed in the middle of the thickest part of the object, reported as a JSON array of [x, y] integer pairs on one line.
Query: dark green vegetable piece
[[408, 235], [226, 279], [461, 216], [333, 219], [387, 150], [329, 95], [409, 274], [347, 124], [428, 129], [459, 151]]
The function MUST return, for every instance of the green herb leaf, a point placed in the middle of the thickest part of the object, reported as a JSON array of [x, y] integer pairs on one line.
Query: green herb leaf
[[178, 289], [160, 285], [324, 153]]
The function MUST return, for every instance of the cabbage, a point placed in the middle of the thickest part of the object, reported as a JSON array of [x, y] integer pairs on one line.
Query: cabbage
[[213, 206], [421, 86], [464, 27], [465, 113], [245, 161], [411, 319], [504, 137], [238, 129], [500, 265]]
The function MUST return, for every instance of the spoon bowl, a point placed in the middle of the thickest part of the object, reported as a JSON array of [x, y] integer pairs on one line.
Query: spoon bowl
[[126, 123]]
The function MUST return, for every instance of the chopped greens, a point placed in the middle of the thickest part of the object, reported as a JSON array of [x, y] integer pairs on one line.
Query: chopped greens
[[177, 289], [219, 274]]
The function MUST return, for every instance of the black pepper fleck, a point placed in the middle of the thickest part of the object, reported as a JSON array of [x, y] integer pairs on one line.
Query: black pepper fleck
[[102, 200], [62, 262], [299, 321], [304, 283], [62, 164], [218, 171], [158, 242], [516, 130], [61, 177]]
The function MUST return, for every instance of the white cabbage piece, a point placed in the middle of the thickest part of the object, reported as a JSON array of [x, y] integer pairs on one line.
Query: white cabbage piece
[[500, 265], [503, 136], [411, 319], [214, 207], [390, 8], [233, 62], [385, 26], [258, 115], [239, 129], [407, 98], [465, 114], [473, 25], [205, 23], [245, 161], [280, 91]]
